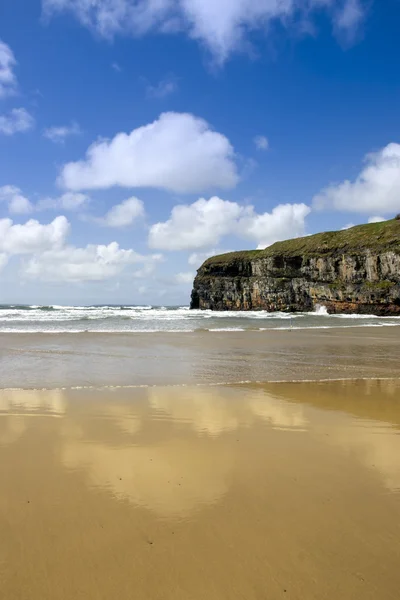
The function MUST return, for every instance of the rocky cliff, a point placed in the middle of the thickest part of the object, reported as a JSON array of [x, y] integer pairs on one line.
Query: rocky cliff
[[351, 271]]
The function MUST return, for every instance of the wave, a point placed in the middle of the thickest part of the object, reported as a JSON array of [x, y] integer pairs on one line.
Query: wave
[[67, 307], [242, 382], [321, 311], [151, 319], [218, 329], [139, 331]]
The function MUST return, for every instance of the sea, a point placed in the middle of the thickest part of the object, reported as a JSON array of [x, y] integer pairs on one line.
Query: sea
[[169, 319]]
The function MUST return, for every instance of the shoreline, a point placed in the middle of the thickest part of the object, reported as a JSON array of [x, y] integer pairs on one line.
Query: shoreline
[[36, 361], [197, 330], [224, 384]]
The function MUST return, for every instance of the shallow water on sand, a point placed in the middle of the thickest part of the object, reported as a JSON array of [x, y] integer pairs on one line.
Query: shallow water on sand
[[64, 360], [220, 492]]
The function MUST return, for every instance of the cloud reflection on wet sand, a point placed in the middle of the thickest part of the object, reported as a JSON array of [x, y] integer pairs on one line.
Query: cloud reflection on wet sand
[[226, 491]]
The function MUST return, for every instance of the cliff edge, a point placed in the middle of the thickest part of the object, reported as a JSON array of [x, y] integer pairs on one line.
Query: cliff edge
[[352, 271]]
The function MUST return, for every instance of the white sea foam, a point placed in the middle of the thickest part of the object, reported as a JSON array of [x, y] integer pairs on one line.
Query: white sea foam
[[228, 384], [148, 319], [321, 310], [218, 329]]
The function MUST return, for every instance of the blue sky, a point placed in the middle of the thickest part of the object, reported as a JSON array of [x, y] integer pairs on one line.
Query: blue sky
[[138, 137]]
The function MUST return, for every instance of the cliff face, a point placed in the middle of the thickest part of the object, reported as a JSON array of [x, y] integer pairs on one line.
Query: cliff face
[[352, 271]]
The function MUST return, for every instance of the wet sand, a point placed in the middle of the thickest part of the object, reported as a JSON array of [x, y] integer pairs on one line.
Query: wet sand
[[208, 492], [56, 360]]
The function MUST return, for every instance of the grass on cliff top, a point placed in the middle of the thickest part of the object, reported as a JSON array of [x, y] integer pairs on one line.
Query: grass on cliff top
[[374, 236]]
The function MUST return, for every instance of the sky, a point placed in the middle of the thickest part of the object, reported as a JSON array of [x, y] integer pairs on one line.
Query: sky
[[139, 137]]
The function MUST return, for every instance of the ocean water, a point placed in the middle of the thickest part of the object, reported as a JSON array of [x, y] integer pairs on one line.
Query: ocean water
[[174, 319]]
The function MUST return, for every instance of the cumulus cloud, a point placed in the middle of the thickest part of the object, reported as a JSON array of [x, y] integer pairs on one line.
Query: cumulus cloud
[[376, 188], [8, 81], [3, 260], [261, 142], [20, 204], [32, 236], [59, 134], [47, 257], [283, 222], [185, 277], [92, 263], [17, 121], [222, 27], [17, 202], [70, 201], [124, 214], [178, 152], [196, 225], [196, 259], [203, 223], [163, 88]]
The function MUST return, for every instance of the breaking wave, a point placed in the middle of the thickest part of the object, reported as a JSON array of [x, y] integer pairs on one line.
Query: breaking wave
[[16, 318]]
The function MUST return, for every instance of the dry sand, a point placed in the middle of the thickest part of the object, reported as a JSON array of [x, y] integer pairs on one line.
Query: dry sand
[[201, 493]]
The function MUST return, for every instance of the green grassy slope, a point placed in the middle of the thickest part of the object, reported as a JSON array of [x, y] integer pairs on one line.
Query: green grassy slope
[[374, 236]]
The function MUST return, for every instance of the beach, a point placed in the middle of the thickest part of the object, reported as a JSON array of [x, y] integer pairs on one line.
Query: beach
[[285, 490], [54, 360], [200, 464], [199, 300]]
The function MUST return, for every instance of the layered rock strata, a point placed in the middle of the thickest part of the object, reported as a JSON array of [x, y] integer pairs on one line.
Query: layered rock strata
[[352, 271]]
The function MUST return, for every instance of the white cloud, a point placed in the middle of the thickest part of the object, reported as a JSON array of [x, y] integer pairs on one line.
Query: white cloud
[[165, 87], [177, 152], [347, 226], [17, 203], [32, 236], [376, 219], [48, 258], [124, 214], [196, 225], [111, 17], [203, 223], [222, 27], [8, 81], [283, 222], [196, 259], [17, 121], [70, 201], [3, 260], [20, 204], [116, 67], [261, 142], [92, 263], [376, 188], [59, 134], [185, 278], [348, 19]]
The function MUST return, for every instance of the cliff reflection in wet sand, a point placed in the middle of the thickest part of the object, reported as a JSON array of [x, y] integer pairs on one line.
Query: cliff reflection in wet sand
[[217, 492]]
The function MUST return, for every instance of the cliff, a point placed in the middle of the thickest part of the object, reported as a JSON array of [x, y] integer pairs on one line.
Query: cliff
[[351, 271]]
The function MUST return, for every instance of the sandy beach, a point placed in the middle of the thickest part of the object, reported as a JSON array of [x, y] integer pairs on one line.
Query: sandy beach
[[53, 360], [199, 300], [219, 492]]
